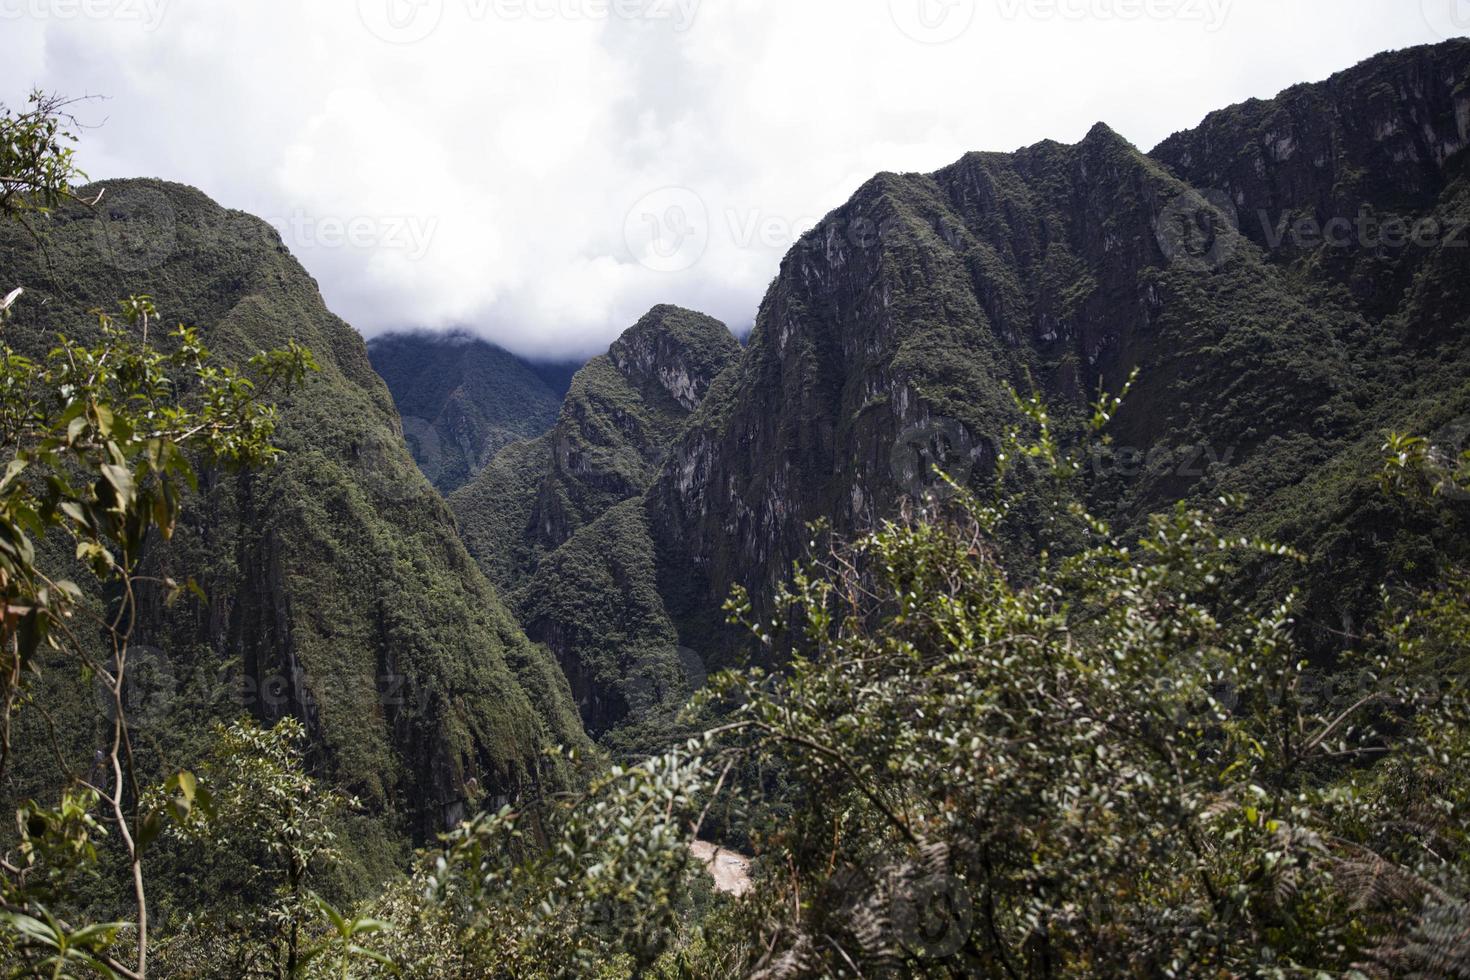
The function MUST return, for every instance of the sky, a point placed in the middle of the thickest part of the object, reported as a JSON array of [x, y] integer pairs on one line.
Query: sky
[[541, 172]]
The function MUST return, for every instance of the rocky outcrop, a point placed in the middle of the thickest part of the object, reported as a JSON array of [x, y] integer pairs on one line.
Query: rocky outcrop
[[560, 521], [899, 324]]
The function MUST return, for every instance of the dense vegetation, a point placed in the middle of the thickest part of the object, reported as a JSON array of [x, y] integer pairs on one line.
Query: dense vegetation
[[334, 589], [1014, 697], [556, 522], [462, 400]]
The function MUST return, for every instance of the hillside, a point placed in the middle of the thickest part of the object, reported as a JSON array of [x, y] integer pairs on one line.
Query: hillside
[[337, 590], [461, 400], [895, 330], [555, 521]]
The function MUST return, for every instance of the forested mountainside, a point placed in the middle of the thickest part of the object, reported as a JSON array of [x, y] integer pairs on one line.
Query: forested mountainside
[[598, 609], [1094, 526], [1271, 355], [334, 587], [462, 399]]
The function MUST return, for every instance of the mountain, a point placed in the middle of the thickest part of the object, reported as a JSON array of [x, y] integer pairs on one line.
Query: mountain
[[462, 399], [337, 589], [1269, 363], [557, 518], [1262, 372]]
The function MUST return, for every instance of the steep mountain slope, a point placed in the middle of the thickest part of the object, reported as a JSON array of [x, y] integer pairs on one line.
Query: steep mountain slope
[[621, 414], [894, 330], [1358, 189], [1042, 263], [558, 518], [462, 400], [337, 589]]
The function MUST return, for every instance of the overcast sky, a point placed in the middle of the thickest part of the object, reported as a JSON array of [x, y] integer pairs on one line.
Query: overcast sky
[[543, 171]]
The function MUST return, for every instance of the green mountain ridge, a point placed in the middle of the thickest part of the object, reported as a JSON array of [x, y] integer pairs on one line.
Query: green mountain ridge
[[337, 589], [554, 521], [896, 328]]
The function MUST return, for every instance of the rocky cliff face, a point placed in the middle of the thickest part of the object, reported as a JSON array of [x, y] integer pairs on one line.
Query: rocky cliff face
[[893, 330], [337, 589], [1326, 172]]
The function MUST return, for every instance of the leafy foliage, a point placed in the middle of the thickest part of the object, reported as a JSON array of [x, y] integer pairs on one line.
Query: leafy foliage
[[37, 166], [1112, 768]]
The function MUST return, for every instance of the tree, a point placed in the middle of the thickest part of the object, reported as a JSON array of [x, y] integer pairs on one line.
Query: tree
[[1112, 767], [100, 443]]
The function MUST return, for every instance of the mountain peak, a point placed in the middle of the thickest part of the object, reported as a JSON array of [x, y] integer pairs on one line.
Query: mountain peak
[[677, 350]]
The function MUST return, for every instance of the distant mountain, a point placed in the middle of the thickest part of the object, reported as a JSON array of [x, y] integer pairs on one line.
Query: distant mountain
[[337, 589], [1271, 359], [534, 502], [463, 399]]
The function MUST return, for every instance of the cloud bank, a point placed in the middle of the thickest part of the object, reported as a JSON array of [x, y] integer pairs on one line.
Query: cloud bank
[[540, 172]]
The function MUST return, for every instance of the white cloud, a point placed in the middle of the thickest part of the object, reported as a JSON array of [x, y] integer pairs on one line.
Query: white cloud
[[441, 163]]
